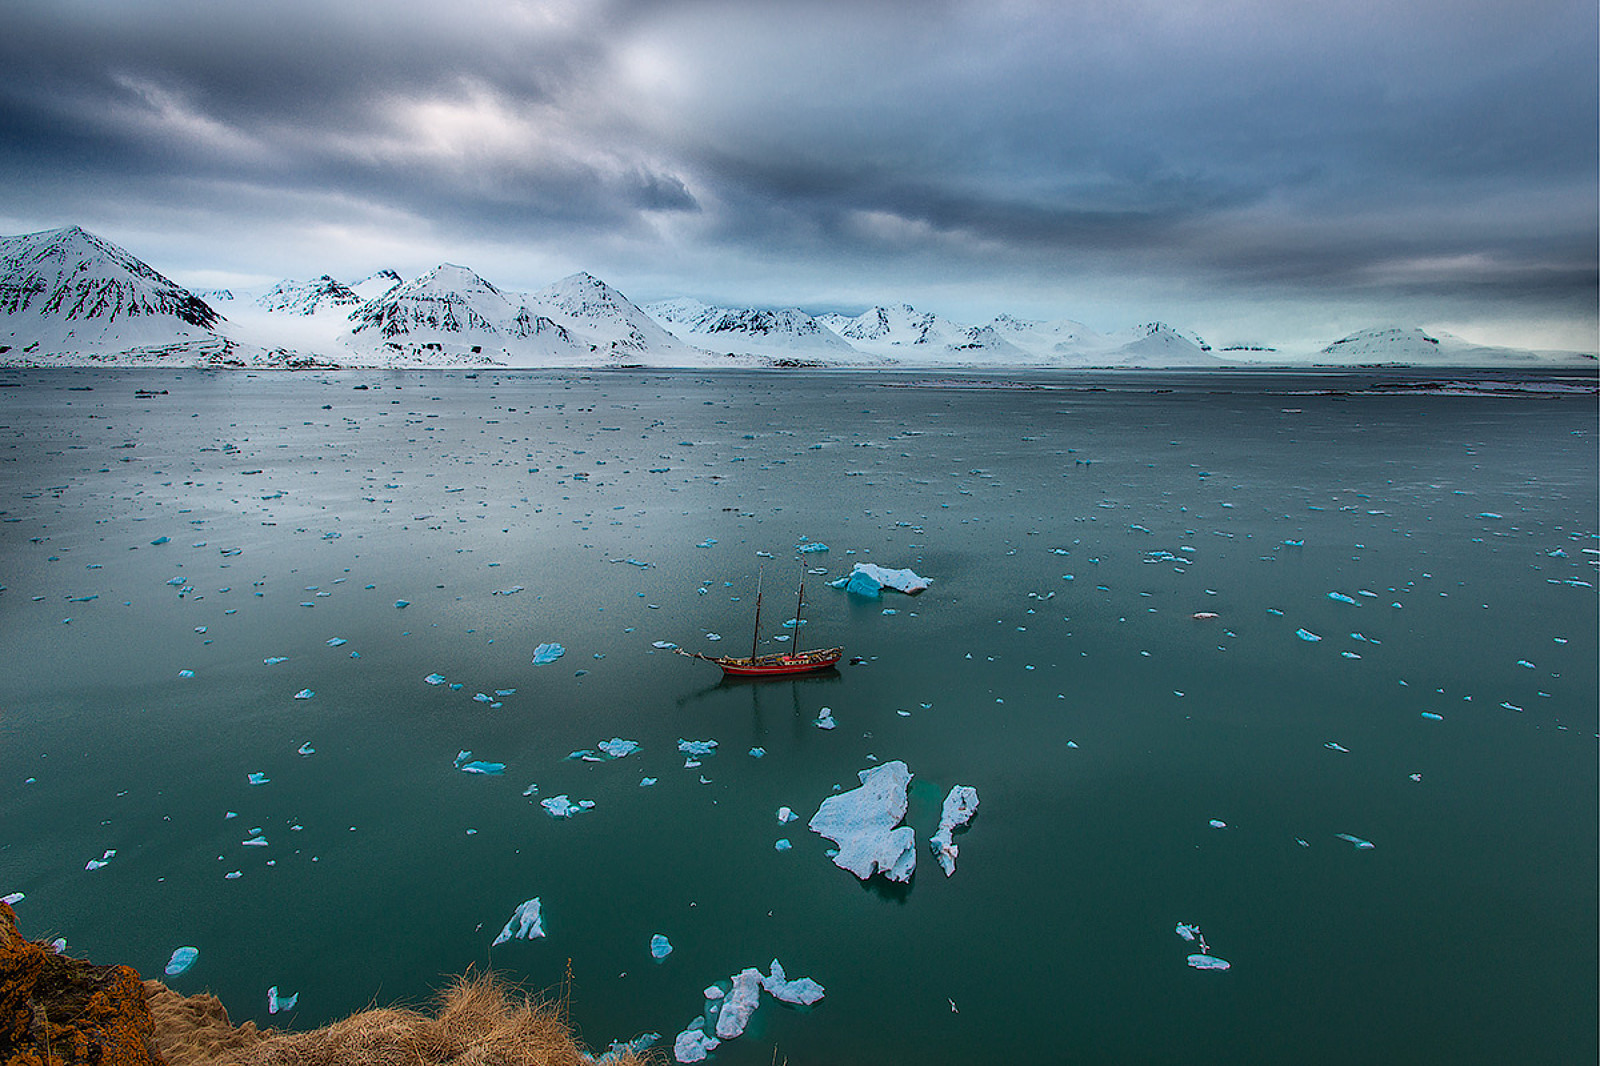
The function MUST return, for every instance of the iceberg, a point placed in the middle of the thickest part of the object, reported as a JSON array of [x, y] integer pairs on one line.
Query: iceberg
[[697, 747], [182, 959], [802, 991], [693, 1045], [525, 923], [660, 947], [545, 654], [563, 807], [480, 767], [869, 579], [618, 748], [1208, 962], [959, 807], [276, 1003], [862, 822], [740, 1003]]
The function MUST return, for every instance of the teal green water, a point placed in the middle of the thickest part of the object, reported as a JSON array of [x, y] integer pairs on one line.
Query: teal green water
[[1102, 724]]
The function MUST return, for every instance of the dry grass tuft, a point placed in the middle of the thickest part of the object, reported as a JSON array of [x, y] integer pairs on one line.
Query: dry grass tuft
[[480, 1022]]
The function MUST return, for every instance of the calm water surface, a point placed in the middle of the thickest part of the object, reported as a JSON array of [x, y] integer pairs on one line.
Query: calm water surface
[[1447, 715]]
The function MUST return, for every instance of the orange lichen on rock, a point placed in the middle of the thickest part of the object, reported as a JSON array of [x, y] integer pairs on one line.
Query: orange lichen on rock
[[60, 1011]]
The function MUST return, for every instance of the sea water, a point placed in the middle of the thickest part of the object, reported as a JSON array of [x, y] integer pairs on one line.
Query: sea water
[[217, 579]]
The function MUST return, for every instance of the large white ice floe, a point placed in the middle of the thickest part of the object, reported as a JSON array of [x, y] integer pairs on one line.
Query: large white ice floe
[[959, 807], [869, 579], [525, 923], [863, 823], [694, 1044], [802, 991], [739, 1004]]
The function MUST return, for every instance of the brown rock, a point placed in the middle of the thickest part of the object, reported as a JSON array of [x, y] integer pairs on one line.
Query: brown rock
[[60, 1011]]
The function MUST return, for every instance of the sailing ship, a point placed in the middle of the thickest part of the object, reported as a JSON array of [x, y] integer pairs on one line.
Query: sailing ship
[[778, 664]]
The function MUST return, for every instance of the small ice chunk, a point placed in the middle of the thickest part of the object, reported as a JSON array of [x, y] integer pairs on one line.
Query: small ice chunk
[[337, 642], [782, 844], [14, 898], [660, 947], [477, 766], [785, 815], [1357, 841], [802, 991], [863, 823], [182, 959], [756, 753], [697, 747], [563, 807], [434, 679], [1208, 962], [274, 660], [646, 782], [959, 807], [103, 860], [815, 546], [740, 1003], [1342, 598], [825, 719], [306, 749], [1334, 746], [402, 604], [663, 645], [525, 923], [618, 748], [1306, 634], [258, 778], [1218, 823], [185, 673], [1188, 932], [304, 694], [545, 654], [869, 579], [276, 1003], [693, 1045]]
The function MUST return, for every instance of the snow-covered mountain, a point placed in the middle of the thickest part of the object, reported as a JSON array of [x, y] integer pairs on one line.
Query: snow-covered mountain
[[613, 327], [377, 284], [1392, 345], [68, 292], [1158, 344], [783, 335], [882, 330], [451, 316], [310, 297]]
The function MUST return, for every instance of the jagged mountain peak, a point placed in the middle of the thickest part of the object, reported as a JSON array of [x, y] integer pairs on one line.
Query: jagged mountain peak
[[309, 297]]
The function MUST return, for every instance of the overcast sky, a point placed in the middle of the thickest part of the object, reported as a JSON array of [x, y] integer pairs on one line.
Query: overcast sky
[[1255, 170]]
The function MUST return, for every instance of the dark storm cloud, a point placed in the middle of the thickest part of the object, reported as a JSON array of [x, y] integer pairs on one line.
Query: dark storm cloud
[[1244, 148]]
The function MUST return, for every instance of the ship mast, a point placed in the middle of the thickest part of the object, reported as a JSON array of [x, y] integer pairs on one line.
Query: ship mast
[[799, 603], [755, 638]]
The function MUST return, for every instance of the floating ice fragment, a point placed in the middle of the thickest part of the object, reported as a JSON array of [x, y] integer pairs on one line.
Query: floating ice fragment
[[1357, 841], [1218, 823], [1306, 634], [785, 815], [782, 844], [646, 782], [547, 653], [304, 694], [258, 778], [756, 753], [275, 660], [525, 923], [660, 947], [185, 673], [162, 540], [697, 747], [802, 991], [618, 748], [959, 806], [663, 645], [1208, 962], [233, 876], [863, 823], [825, 718], [693, 1045], [1188, 932], [1524, 662], [1342, 598], [1334, 746], [434, 679], [306, 749], [816, 546], [512, 591], [739, 1004], [563, 807], [402, 604], [103, 860], [14, 898], [182, 959], [276, 1003]]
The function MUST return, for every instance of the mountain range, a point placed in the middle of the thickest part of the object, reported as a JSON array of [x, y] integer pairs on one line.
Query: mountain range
[[69, 298]]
